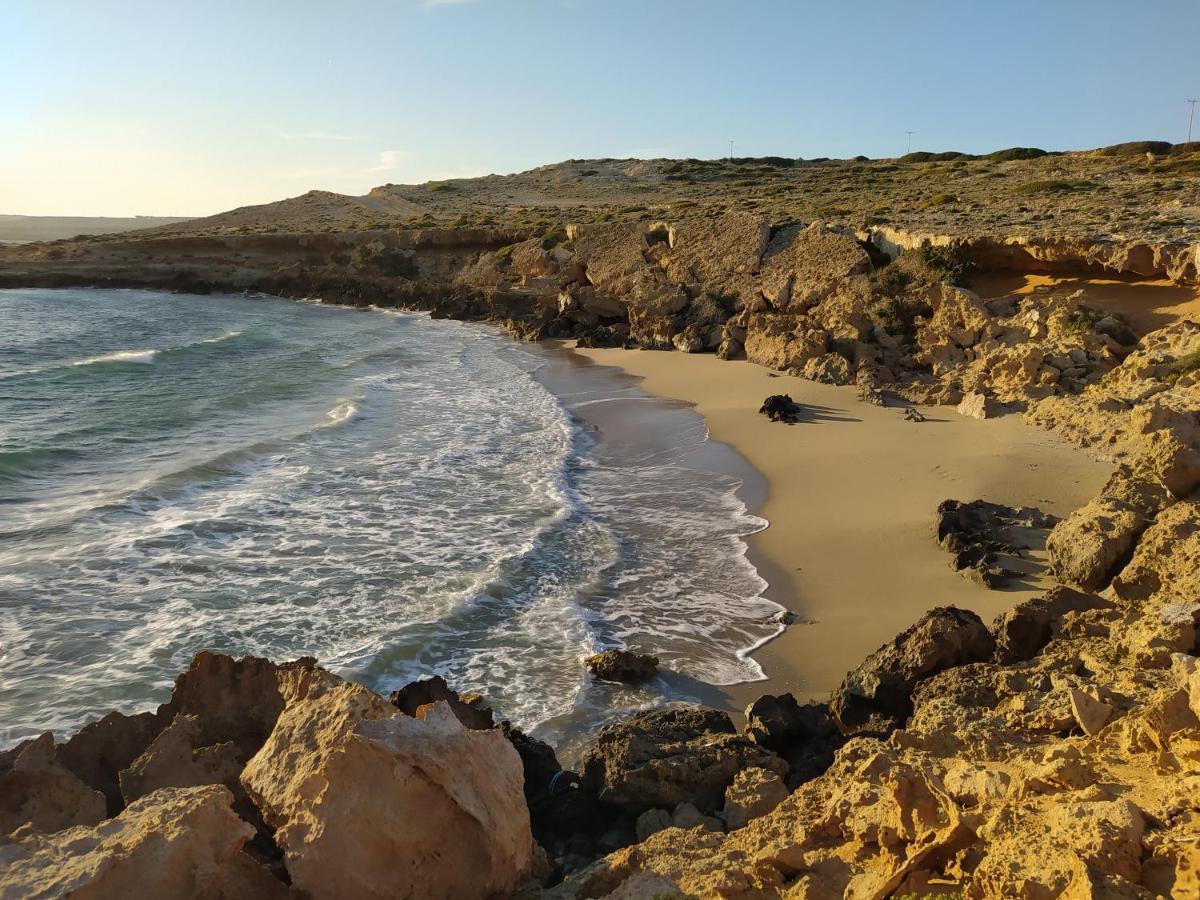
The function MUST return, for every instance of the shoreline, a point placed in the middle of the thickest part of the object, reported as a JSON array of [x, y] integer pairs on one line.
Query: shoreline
[[865, 566]]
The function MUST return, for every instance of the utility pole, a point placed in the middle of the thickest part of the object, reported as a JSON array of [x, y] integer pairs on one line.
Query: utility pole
[[909, 149], [731, 150], [1191, 116]]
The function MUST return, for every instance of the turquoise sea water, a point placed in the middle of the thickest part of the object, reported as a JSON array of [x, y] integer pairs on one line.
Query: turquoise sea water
[[391, 494]]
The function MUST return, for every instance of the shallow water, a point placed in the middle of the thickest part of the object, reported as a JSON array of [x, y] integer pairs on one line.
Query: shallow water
[[394, 495]]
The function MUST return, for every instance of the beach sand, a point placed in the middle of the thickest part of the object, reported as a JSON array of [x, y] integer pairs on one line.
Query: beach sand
[[850, 495]]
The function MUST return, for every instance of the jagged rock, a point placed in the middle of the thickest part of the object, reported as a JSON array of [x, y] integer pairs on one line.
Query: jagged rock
[[1167, 559], [175, 842], [101, 750], [177, 758], [687, 816], [753, 793], [38, 791], [878, 693], [320, 768], [783, 341], [651, 822], [976, 406], [912, 414], [781, 408], [831, 368], [622, 665], [802, 266], [806, 736], [1090, 712], [419, 693], [1024, 630], [1085, 547], [730, 348], [665, 757]]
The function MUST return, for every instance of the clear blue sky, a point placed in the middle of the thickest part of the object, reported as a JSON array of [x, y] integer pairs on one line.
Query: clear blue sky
[[168, 107]]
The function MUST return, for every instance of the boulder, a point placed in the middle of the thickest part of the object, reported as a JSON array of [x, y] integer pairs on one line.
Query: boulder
[[803, 265], [1090, 712], [101, 750], [976, 406], [178, 758], [831, 368], [1085, 548], [753, 793], [175, 842], [651, 822], [665, 757], [878, 694], [622, 665], [420, 693], [449, 794], [1166, 562], [1025, 629], [36, 789], [783, 341]]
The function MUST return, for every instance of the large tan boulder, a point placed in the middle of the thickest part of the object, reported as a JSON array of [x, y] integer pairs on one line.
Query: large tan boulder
[[177, 842], [783, 341], [178, 758], [36, 788], [369, 802], [719, 255], [1085, 547], [1166, 562]]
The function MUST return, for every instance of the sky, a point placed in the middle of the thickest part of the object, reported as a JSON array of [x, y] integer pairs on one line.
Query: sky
[[170, 107]]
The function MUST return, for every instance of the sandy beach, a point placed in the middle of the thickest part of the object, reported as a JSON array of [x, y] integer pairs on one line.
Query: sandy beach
[[850, 496]]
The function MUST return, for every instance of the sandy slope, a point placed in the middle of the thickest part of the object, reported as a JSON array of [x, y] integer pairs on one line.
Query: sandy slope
[[851, 499]]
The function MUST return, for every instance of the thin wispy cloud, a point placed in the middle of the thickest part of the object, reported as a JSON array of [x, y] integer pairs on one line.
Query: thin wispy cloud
[[432, 4]]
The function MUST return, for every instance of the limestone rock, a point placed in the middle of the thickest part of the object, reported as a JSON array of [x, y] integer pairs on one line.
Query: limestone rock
[[1090, 713], [976, 406], [665, 757], [1028, 627], [622, 665], [1167, 559], [651, 822], [35, 788], [803, 265], [175, 842], [753, 793], [321, 769], [783, 342], [831, 368], [1085, 548], [879, 691], [177, 758]]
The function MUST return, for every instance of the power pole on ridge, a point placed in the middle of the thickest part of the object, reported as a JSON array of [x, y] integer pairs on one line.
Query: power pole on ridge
[[731, 150], [1191, 116], [908, 149]]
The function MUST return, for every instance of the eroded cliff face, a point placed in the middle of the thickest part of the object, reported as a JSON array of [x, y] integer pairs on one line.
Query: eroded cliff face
[[1054, 753]]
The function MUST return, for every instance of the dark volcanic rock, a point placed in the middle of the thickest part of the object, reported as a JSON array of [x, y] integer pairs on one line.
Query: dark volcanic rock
[[661, 758], [878, 694], [806, 736], [621, 665], [1024, 630], [781, 408], [975, 533], [413, 696]]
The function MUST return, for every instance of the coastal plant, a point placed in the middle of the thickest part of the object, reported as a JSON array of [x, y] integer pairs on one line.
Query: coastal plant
[[938, 200], [947, 263], [1083, 319], [1184, 365], [1052, 186], [898, 316]]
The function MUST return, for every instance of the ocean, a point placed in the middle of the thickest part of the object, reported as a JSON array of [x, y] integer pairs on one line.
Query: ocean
[[394, 495]]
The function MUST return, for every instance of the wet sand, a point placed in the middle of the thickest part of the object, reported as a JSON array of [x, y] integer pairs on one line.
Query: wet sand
[[850, 495]]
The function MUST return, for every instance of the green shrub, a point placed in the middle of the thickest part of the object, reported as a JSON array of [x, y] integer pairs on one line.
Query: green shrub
[[892, 281], [439, 186], [938, 200], [1083, 320], [1180, 367], [503, 256], [1052, 186], [898, 315], [951, 264], [1015, 153], [1136, 148]]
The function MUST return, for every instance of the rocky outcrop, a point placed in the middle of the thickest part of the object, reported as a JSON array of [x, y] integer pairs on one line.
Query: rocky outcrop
[[410, 698], [175, 842], [781, 408], [38, 791], [1023, 631], [670, 756], [622, 665], [977, 534], [878, 694]]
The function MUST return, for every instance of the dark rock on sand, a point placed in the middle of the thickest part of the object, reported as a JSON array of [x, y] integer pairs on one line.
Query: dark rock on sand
[[622, 665], [781, 408], [976, 533], [661, 758], [877, 696]]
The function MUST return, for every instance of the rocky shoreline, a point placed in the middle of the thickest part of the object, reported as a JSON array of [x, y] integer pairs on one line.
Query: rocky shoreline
[[1055, 753]]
